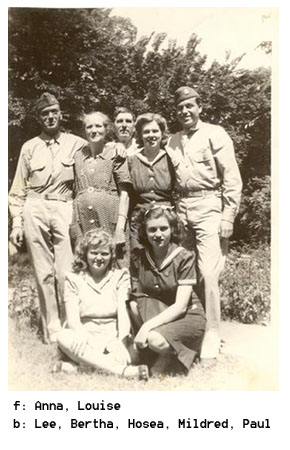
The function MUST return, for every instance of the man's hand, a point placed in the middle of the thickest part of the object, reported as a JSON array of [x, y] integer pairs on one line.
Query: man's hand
[[226, 229], [16, 236], [120, 150]]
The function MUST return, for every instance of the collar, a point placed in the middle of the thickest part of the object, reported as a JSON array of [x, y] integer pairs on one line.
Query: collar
[[106, 153], [145, 160], [51, 139], [175, 250], [97, 286], [191, 131]]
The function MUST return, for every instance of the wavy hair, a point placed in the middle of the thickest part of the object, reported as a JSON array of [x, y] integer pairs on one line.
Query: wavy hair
[[155, 212], [143, 119], [93, 238]]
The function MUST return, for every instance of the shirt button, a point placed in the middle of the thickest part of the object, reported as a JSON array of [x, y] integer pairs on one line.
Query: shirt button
[[157, 286], [90, 207], [92, 221]]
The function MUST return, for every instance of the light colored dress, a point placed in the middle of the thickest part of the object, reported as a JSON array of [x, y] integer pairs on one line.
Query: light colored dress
[[98, 303]]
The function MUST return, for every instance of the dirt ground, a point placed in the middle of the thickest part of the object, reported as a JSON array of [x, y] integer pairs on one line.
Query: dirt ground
[[257, 346]]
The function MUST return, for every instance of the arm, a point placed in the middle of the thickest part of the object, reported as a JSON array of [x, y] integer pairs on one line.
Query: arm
[[71, 300], [17, 196], [224, 155], [123, 320], [123, 181], [122, 216], [124, 324]]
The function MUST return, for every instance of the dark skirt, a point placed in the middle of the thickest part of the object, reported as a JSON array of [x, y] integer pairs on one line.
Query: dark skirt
[[184, 334]]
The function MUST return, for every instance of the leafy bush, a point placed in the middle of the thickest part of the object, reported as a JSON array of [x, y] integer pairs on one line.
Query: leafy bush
[[245, 285], [245, 288], [23, 299], [254, 222]]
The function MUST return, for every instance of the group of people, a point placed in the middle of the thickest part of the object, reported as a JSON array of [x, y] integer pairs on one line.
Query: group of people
[[128, 231]]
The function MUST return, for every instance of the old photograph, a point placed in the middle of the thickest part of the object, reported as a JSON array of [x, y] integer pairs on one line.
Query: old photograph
[[141, 199]]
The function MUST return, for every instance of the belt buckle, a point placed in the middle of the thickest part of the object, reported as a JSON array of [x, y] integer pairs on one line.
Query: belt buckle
[[90, 189]]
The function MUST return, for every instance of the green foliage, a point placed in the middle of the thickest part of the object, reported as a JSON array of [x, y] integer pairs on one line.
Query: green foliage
[[91, 61], [246, 285]]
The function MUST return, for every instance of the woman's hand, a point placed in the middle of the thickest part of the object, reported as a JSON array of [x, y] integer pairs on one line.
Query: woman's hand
[[141, 339], [79, 344]]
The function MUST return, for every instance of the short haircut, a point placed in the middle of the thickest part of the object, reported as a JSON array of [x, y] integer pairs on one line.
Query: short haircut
[[123, 110], [96, 237], [143, 119], [105, 119]]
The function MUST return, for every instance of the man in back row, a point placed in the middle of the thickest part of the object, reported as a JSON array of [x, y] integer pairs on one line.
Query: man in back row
[[40, 202], [209, 187]]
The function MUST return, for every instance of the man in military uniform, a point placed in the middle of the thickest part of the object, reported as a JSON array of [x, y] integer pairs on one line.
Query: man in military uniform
[[209, 187], [40, 202]]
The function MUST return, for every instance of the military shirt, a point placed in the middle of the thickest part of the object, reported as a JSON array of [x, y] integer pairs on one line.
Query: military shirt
[[205, 160], [45, 166]]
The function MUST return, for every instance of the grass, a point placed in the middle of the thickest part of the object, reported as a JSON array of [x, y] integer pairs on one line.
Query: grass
[[30, 364], [238, 368]]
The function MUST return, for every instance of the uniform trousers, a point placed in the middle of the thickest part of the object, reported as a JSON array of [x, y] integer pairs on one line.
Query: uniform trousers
[[201, 217], [46, 227]]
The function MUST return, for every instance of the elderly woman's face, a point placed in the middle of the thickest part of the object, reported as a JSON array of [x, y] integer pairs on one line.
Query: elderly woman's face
[[95, 129], [151, 135]]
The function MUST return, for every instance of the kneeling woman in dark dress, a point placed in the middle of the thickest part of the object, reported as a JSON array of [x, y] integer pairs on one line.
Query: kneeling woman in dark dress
[[165, 308]]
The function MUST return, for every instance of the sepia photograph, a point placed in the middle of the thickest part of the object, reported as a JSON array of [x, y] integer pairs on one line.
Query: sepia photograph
[[142, 199]]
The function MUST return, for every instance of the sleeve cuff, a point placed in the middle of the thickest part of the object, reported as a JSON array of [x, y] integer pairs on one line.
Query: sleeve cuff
[[188, 282]]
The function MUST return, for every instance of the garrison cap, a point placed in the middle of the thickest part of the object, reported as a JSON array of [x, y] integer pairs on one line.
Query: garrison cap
[[45, 100], [183, 93]]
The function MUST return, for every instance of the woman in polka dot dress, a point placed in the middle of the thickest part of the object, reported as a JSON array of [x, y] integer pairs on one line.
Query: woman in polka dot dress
[[102, 181]]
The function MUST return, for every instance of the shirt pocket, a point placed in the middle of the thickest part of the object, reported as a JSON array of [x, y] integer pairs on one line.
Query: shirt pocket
[[67, 170], [203, 155], [39, 174]]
